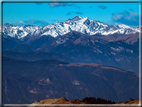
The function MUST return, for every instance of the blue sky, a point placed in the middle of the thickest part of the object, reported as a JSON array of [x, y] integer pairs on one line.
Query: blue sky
[[48, 13]]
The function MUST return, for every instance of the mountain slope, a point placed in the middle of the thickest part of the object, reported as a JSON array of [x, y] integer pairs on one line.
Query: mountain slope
[[8, 43], [128, 38], [39, 41], [54, 79], [34, 56], [132, 66], [22, 48], [91, 49]]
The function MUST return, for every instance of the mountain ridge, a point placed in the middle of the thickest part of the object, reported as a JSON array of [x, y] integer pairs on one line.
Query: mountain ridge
[[114, 50], [55, 79], [80, 24]]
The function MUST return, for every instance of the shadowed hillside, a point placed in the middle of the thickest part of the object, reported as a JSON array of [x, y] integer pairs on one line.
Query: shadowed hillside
[[55, 79]]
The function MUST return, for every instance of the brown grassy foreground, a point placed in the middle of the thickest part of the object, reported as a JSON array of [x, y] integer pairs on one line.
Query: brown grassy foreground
[[58, 101], [62, 100], [130, 102]]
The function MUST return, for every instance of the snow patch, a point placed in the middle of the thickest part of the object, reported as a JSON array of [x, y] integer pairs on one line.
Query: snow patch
[[44, 81], [119, 49], [75, 82]]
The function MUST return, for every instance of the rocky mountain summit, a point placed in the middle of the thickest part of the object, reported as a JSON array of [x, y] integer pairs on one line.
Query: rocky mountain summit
[[80, 24]]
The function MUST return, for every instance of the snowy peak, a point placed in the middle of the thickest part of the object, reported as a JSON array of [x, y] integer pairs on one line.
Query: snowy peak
[[87, 21], [18, 31], [124, 26], [76, 18], [79, 24], [8, 25]]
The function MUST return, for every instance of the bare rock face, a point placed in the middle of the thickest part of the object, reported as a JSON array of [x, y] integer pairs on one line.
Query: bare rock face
[[58, 101]]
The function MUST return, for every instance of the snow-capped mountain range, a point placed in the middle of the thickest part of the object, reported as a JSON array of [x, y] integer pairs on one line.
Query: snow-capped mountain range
[[19, 31], [79, 24]]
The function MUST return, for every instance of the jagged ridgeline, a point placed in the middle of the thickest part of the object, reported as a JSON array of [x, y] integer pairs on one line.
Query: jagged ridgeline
[[74, 59]]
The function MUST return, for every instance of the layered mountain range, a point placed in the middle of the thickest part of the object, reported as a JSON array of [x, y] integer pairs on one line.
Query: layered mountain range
[[65, 58], [79, 39], [118, 50]]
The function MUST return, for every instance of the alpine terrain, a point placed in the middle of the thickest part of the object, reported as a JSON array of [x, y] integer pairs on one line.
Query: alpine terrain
[[74, 59]]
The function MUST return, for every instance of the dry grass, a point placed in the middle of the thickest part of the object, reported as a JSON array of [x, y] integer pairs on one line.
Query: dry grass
[[58, 101], [130, 102]]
